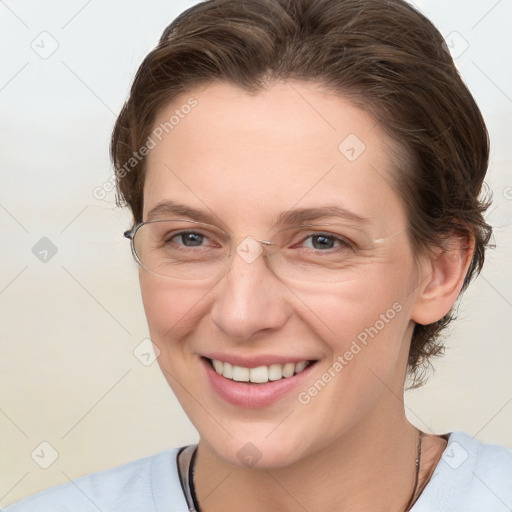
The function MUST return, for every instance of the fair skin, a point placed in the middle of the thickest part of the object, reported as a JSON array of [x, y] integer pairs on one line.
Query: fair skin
[[244, 160]]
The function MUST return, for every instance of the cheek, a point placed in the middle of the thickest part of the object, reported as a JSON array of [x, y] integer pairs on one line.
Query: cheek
[[363, 322], [348, 308], [172, 309]]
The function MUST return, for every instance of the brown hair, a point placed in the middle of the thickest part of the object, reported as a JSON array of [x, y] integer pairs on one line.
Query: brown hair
[[386, 57]]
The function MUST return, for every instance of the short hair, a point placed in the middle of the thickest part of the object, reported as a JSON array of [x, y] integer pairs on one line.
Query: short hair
[[383, 56]]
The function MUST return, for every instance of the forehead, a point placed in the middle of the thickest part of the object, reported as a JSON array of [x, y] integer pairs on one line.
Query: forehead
[[253, 156]]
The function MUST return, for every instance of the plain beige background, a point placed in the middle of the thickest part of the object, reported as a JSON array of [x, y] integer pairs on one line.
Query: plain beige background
[[78, 392]]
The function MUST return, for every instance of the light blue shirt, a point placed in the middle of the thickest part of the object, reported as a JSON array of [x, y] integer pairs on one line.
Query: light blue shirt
[[470, 477]]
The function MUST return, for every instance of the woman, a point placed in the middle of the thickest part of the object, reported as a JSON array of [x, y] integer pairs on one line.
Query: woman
[[304, 178]]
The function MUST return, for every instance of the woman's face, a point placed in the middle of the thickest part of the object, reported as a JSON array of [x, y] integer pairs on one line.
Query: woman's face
[[247, 163]]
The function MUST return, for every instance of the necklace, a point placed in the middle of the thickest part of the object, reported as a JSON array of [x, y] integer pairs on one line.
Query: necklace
[[186, 460], [417, 473]]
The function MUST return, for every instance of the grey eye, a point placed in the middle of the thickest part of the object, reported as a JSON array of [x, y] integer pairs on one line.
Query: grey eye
[[322, 242], [190, 239]]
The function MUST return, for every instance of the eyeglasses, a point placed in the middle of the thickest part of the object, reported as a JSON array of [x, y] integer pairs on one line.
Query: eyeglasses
[[184, 249]]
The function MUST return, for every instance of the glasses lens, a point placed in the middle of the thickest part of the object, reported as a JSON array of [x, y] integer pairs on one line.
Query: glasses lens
[[320, 257], [181, 249]]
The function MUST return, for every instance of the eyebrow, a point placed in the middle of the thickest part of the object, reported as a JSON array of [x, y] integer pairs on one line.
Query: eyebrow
[[166, 208], [296, 216], [302, 215]]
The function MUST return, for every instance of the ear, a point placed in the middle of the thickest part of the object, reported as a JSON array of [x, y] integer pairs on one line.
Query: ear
[[442, 278]]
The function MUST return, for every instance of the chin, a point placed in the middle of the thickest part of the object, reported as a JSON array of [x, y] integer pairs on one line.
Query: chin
[[259, 451]]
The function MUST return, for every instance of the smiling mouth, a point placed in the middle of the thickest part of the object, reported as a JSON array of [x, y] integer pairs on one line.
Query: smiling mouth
[[259, 374]]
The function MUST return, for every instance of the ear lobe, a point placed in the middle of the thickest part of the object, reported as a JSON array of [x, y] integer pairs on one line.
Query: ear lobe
[[443, 277]]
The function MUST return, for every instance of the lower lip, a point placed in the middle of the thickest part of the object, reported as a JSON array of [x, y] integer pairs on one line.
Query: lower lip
[[249, 395]]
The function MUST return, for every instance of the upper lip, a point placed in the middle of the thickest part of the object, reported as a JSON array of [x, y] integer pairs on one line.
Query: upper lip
[[255, 361]]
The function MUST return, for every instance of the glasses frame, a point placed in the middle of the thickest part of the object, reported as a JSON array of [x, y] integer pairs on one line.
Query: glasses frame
[[131, 233]]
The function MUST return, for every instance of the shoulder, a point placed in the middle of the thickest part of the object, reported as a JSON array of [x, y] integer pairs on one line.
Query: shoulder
[[471, 476], [148, 484]]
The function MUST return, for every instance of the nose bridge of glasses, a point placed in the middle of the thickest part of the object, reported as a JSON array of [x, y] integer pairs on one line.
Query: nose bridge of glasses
[[250, 248]]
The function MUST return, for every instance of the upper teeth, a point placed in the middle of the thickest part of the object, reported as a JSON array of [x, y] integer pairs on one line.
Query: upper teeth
[[260, 374]]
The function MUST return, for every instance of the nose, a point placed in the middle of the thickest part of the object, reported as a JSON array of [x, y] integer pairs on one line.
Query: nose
[[250, 299]]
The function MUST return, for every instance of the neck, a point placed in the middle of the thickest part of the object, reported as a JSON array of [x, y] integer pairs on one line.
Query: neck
[[371, 467]]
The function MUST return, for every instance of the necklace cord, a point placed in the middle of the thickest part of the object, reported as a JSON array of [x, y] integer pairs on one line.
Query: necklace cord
[[417, 473]]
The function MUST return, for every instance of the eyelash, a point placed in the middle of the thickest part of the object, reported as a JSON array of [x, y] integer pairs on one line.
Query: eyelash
[[182, 234], [342, 243]]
